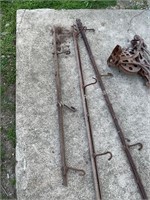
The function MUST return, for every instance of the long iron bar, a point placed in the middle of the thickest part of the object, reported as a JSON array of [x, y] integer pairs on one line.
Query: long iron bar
[[93, 154], [87, 120], [61, 106], [60, 112], [112, 112]]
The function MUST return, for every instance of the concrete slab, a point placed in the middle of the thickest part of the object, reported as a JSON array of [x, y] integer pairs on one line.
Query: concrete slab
[[38, 172]]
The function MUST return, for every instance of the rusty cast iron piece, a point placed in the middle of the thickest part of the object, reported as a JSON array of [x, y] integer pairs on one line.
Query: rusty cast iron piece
[[112, 112], [93, 154], [134, 59], [61, 107]]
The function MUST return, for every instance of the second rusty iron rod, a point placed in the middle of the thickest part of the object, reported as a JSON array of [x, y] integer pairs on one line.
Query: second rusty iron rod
[[112, 112], [87, 119], [93, 154]]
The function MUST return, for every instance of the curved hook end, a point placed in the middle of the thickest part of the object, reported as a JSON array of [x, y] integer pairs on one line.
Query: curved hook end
[[101, 154], [91, 83], [139, 144], [110, 155], [81, 171]]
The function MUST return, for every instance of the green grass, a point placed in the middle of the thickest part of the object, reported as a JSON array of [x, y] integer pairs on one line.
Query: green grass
[[11, 136], [2, 152], [8, 69], [13, 182], [8, 106], [2, 90]]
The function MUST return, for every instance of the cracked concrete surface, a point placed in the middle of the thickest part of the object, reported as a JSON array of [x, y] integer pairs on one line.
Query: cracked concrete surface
[[38, 169]]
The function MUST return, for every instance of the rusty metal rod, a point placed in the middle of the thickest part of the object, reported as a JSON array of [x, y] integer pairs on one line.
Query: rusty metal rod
[[61, 106], [93, 154], [87, 120], [112, 112], [60, 112]]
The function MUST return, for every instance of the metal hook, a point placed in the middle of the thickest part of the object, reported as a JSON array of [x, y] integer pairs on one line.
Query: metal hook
[[139, 144], [88, 29], [70, 108], [82, 172], [66, 52], [108, 74], [101, 154], [91, 83]]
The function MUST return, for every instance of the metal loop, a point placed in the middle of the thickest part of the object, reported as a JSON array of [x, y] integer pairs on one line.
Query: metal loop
[[101, 154], [91, 83], [82, 172], [139, 144]]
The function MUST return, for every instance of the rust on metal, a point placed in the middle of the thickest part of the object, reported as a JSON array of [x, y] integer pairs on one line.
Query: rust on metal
[[61, 106], [112, 112], [93, 154], [131, 60]]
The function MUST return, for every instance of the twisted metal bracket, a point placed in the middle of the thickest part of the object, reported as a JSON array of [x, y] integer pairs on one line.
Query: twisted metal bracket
[[133, 59]]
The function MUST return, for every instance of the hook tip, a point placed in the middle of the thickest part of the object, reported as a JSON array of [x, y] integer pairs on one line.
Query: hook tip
[[141, 146], [110, 156]]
